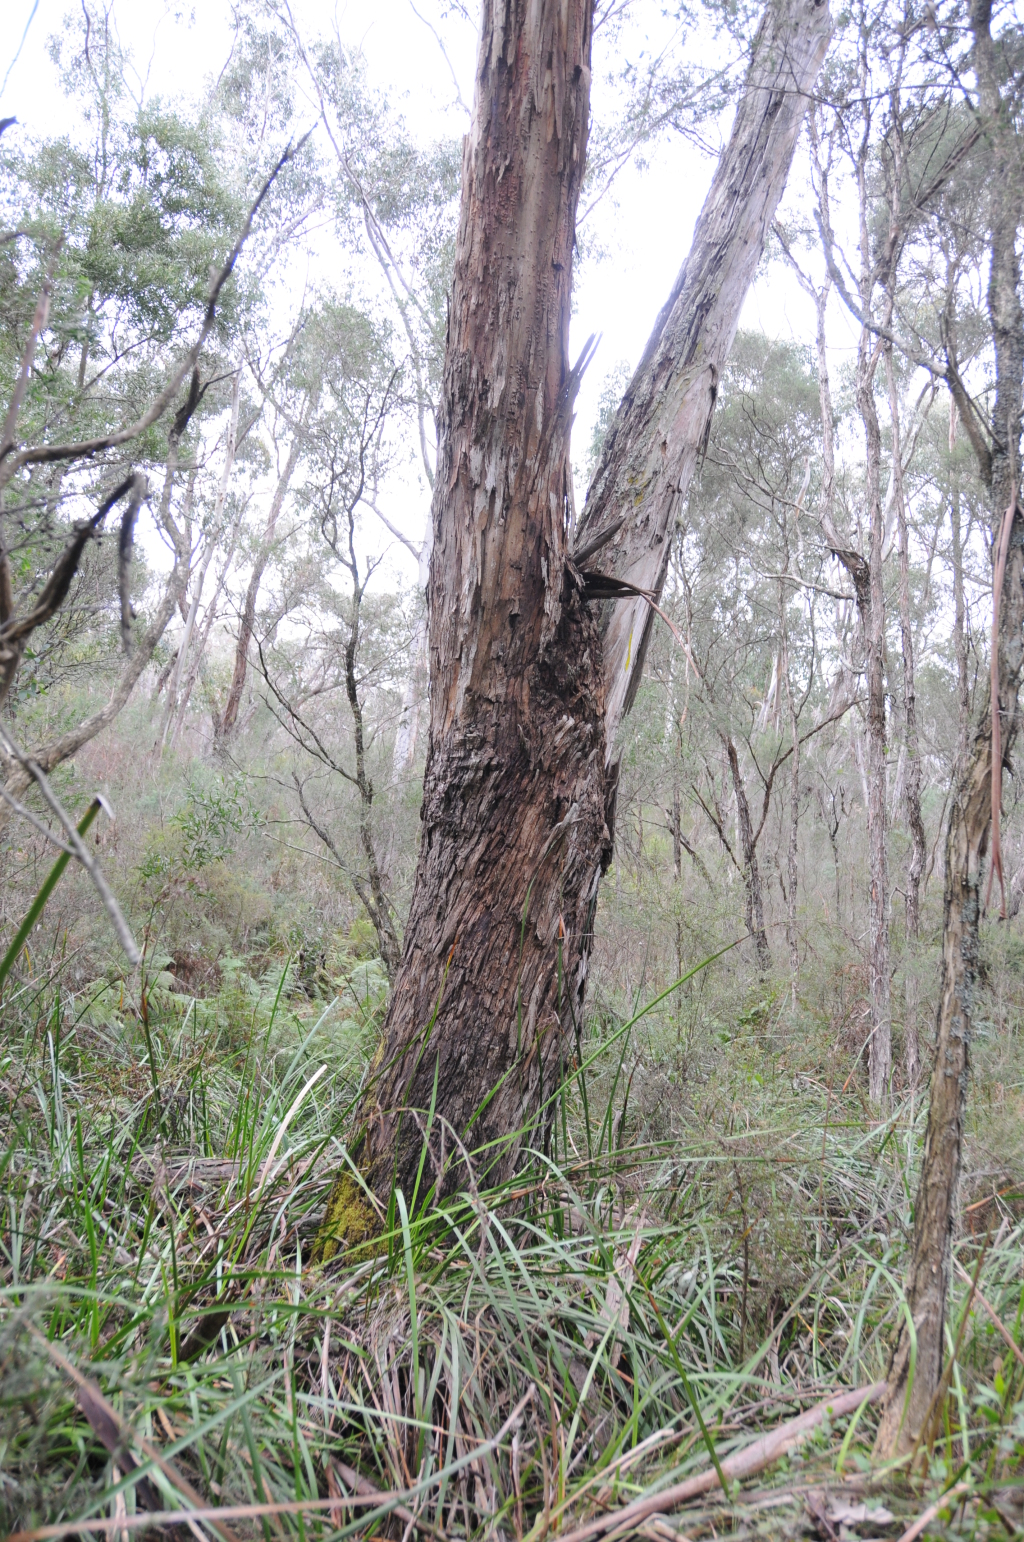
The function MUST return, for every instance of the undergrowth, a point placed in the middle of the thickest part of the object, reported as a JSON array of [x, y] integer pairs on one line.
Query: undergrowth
[[639, 1305]]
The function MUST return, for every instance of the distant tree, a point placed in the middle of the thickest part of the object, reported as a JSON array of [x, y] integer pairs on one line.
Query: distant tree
[[115, 292]]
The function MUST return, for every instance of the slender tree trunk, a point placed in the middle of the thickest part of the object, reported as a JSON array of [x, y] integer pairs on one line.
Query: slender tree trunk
[[519, 787], [880, 1043], [793, 848], [867, 577], [197, 663], [225, 724], [912, 777], [751, 866], [390, 949], [880, 1048], [409, 720], [963, 689], [368, 884], [792, 855], [677, 827], [911, 1407], [174, 710]]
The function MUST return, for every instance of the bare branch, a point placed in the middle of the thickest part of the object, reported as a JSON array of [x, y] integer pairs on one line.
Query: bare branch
[[78, 846]]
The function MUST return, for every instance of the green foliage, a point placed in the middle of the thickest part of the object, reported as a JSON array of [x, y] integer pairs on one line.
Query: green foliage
[[201, 833]]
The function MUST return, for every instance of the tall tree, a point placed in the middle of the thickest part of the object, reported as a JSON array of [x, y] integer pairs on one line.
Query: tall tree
[[528, 684], [913, 1399]]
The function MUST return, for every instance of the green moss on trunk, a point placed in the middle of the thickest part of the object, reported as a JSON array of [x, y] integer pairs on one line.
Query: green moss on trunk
[[349, 1221]]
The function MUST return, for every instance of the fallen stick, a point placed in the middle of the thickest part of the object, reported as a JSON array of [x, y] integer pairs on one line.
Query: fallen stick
[[365, 1490], [213, 1515], [742, 1464], [932, 1511], [113, 1430], [990, 1309]]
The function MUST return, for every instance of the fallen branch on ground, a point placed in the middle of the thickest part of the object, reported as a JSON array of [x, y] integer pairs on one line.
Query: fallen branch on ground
[[742, 1464]]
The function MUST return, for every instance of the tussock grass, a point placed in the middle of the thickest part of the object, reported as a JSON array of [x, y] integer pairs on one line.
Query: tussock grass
[[510, 1363]]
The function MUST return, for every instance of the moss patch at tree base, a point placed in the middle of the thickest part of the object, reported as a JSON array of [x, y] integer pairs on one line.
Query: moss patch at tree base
[[349, 1221]]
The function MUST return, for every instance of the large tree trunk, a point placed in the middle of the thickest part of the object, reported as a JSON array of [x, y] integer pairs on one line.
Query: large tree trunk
[[514, 793], [911, 1407], [519, 786]]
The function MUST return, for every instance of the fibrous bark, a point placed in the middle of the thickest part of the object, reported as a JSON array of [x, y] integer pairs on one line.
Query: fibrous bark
[[514, 791], [520, 779]]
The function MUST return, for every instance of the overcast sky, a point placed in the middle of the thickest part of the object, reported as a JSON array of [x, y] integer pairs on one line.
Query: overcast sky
[[644, 229]]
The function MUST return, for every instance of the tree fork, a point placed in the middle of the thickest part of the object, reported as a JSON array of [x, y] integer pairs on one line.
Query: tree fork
[[528, 684]]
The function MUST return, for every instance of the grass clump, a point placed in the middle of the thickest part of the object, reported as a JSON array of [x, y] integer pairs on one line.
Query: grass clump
[[633, 1311]]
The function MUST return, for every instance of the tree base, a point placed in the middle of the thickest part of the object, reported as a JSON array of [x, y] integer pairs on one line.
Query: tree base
[[349, 1222]]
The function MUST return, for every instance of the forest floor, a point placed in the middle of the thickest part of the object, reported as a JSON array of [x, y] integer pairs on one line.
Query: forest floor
[[713, 1246]]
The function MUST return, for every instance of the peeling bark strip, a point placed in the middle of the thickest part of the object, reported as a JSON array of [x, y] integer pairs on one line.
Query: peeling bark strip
[[660, 431], [519, 787]]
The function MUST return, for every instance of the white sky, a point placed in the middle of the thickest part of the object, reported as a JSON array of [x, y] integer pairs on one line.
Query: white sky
[[645, 229]]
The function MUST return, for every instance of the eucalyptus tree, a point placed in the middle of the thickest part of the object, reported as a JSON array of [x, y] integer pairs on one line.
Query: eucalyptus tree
[[749, 588], [115, 278], [343, 393], [994, 427], [528, 683]]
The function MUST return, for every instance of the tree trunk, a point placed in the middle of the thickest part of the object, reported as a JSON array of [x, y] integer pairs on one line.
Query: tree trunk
[[963, 689], [911, 1407], [880, 1043], [519, 787], [751, 867], [174, 709], [659, 434], [793, 846], [514, 791], [225, 724], [912, 781], [792, 856]]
